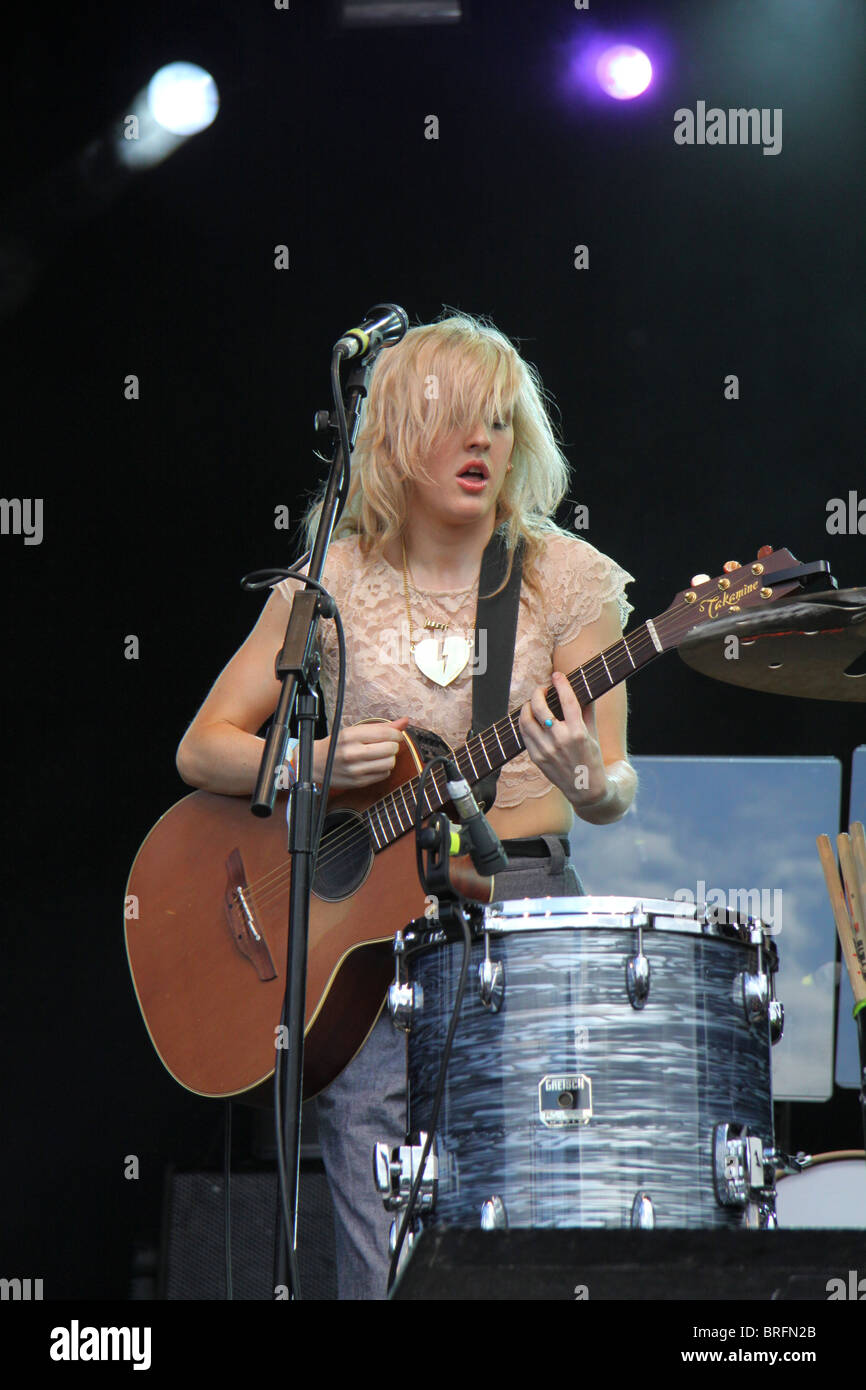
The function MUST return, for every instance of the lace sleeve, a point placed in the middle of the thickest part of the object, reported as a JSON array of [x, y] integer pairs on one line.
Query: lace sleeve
[[333, 577], [578, 581]]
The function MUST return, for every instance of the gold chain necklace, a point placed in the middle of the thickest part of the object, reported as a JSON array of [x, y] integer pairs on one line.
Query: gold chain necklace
[[440, 659]]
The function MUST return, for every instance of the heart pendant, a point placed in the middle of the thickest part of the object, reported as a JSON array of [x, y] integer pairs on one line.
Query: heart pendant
[[442, 659]]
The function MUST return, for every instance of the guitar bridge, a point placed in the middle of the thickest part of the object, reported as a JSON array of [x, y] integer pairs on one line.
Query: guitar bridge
[[241, 919]]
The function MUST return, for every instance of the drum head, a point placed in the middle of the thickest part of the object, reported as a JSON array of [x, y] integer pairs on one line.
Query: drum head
[[824, 1197]]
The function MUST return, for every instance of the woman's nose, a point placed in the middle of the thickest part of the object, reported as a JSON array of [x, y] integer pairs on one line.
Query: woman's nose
[[478, 435]]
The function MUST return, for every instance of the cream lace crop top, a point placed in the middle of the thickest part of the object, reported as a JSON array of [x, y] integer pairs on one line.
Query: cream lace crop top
[[382, 679]]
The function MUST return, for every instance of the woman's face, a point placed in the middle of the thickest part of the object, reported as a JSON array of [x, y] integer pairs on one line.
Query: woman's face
[[466, 470]]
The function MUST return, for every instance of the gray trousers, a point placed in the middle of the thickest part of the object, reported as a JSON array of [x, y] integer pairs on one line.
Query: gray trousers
[[367, 1104]]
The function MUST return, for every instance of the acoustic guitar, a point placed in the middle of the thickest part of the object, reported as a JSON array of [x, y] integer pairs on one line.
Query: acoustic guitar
[[206, 909]]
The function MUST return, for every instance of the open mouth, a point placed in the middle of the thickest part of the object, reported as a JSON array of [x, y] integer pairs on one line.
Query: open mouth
[[474, 472]]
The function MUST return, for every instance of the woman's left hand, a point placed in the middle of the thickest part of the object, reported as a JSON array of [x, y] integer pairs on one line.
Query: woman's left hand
[[566, 750]]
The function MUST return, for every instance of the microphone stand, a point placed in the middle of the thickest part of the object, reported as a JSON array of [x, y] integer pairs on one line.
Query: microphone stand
[[297, 666]]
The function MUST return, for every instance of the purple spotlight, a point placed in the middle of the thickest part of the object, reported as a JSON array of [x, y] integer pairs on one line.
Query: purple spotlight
[[624, 71]]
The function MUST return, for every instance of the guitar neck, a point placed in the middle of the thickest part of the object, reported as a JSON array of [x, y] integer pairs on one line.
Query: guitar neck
[[394, 814]]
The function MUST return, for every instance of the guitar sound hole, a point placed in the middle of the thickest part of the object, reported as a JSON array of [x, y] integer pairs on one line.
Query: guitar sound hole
[[345, 856]]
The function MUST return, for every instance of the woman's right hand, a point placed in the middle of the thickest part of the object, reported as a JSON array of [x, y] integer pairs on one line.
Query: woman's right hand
[[366, 753]]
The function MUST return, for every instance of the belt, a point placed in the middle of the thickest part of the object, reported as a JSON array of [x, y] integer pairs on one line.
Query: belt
[[533, 849]]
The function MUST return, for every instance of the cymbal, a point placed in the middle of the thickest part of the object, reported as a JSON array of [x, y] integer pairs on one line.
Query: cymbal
[[800, 647]]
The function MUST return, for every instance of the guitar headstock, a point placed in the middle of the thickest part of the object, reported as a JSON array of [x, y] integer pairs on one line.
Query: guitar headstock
[[737, 588]]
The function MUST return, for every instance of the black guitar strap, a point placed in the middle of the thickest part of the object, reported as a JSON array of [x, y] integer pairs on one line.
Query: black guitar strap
[[496, 618]]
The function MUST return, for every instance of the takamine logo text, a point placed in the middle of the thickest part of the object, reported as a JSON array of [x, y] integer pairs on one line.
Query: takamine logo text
[[718, 602]]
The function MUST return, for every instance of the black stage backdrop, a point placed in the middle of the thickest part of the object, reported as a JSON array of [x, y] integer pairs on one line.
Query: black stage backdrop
[[703, 263]]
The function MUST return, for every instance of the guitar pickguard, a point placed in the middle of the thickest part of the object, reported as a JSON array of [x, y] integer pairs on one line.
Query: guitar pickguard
[[428, 744]]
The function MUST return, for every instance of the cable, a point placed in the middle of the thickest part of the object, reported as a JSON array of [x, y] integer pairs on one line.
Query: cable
[[282, 1174], [437, 1102], [449, 1040]]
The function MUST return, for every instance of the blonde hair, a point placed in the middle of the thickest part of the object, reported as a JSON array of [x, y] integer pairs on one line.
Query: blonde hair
[[441, 376]]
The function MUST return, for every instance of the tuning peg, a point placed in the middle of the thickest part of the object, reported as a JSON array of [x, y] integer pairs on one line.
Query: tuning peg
[[730, 565], [765, 550], [700, 579]]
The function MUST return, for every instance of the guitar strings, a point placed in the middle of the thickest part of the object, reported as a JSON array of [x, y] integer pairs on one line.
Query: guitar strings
[[271, 885], [361, 831], [337, 841]]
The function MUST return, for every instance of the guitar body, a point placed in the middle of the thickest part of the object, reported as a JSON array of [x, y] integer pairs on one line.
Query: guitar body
[[210, 995]]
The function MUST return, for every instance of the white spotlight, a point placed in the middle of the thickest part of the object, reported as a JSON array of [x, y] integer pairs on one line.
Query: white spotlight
[[179, 101], [183, 98]]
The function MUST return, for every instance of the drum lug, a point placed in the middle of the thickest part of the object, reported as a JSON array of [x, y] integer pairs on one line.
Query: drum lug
[[643, 1217], [491, 980], [637, 975], [493, 1217], [404, 999], [738, 1166], [395, 1171], [756, 997], [776, 1013], [637, 980]]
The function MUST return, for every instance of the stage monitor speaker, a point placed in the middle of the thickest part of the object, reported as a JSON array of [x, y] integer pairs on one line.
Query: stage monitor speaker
[[193, 1246], [630, 1265]]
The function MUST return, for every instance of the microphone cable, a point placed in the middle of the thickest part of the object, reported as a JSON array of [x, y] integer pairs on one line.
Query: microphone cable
[[446, 1051]]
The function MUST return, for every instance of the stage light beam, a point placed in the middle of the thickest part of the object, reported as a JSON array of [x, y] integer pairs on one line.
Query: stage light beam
[[180, 100]]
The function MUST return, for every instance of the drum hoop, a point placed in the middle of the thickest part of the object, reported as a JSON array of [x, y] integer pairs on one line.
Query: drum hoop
[[652, 914]]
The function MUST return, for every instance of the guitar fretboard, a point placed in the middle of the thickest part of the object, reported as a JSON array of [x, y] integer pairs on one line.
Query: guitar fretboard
[[393, 815]]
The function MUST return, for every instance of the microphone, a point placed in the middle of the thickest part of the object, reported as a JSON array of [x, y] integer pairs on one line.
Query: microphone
[[383, 326], [485, 847]]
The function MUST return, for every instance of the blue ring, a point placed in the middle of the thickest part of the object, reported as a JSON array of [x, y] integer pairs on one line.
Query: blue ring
[[548, 723]]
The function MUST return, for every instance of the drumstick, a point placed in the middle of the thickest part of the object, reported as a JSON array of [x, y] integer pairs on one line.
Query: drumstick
[[854, 872], [858, 849], [843, 921], [850, 878]]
